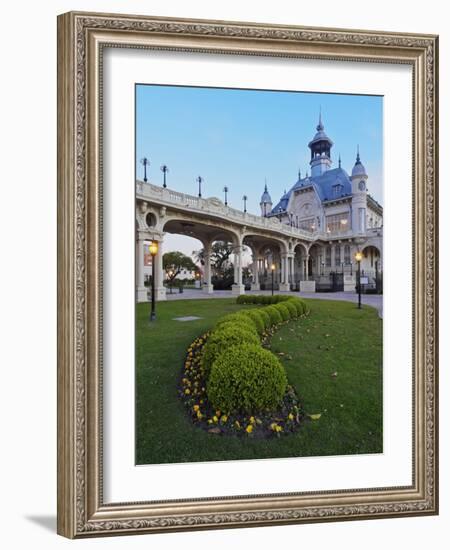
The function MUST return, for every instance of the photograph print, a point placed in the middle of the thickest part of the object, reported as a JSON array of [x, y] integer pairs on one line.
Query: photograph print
[[259, 274]]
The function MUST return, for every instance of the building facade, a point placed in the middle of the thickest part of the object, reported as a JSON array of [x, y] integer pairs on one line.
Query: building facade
[[306, 242]]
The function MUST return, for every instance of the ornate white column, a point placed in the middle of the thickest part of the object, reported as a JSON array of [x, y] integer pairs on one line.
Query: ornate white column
[[307, 285], [141, 290], [255, 266], [238, 287], [207, 286], [284, 284], [160, 290]]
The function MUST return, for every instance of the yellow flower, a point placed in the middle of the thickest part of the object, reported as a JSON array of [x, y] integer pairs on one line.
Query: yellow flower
[[249, 429], [238, 426], [215, 418], [199, 415], [196, 408], [209, 421], [187, 391], [224, 418], [291, 416]]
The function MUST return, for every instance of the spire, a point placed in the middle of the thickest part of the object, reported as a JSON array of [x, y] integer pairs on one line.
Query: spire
[[358, 169], [299, 174], [339, 160], [320, 126]]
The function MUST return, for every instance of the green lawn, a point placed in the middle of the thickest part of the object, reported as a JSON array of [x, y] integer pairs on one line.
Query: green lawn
[[335, 338]]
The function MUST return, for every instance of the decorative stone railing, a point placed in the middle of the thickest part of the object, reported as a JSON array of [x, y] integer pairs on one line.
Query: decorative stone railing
[[214, 206]]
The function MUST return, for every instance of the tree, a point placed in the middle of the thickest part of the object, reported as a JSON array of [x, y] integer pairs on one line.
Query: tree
[[175, 262], [220, 257]]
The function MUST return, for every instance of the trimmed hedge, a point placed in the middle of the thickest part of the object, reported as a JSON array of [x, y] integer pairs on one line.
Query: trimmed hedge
[[292, 309], [263, 299], [274, 314], [240, 318], [246, 378], [257, 318], [221, 339], [284, 312]]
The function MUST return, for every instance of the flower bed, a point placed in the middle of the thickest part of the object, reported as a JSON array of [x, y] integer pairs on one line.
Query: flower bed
[[249, 381]]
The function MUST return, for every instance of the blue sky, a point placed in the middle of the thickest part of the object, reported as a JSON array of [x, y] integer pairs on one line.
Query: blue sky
[[239, 138]]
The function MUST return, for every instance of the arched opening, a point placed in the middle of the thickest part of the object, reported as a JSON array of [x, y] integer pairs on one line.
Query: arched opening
[[265, 253], [300, 265], [212, 249], [371, 267]]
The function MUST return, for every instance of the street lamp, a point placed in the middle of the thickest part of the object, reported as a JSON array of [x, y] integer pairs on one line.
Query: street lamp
[[200, 180], [272, 268], [145, 162], [164, 170], [225, 190], [244, 198], [170, 280], [358, 258], [153, 249]]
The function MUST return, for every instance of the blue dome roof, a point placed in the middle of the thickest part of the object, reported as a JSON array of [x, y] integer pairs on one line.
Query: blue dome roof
[[320, 134], [359, 169], [265, 197]]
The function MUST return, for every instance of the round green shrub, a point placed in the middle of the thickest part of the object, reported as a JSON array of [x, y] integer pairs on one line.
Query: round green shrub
[[274, 314], [246, 378], [292, 309], [265, 317], [298, 304], [255, 316], [240, 318], [223, 338], [237, 324], [284, 312]]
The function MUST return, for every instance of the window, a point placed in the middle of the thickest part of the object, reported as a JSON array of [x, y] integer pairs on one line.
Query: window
[[347, 259], [308, 224], [337, 223], [328, 256], [337, 256], [337, 189]]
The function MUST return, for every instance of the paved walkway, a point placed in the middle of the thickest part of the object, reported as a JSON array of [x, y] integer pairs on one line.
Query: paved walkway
[[374, 300]]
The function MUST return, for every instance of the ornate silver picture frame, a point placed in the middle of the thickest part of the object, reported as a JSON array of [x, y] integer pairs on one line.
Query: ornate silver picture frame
[[82, 40]]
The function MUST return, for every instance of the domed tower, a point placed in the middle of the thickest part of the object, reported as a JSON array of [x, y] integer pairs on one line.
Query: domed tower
[[266, 202], [359, 195], [320, 147]]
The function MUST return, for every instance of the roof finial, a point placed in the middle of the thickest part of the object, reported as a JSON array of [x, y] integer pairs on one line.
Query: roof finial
[[265, 185], [358, 159], [299, 174], [339, 160], [320, 125]]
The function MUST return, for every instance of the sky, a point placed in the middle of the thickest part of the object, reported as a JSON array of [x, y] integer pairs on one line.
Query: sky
[[242, 138]]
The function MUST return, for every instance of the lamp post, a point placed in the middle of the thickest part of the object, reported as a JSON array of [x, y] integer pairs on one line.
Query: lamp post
[[244, 198], [145, 162], [358, 258], [153, 249], [200, 180], [272, 269], [164, 170], [225, 190], [170, 280]]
